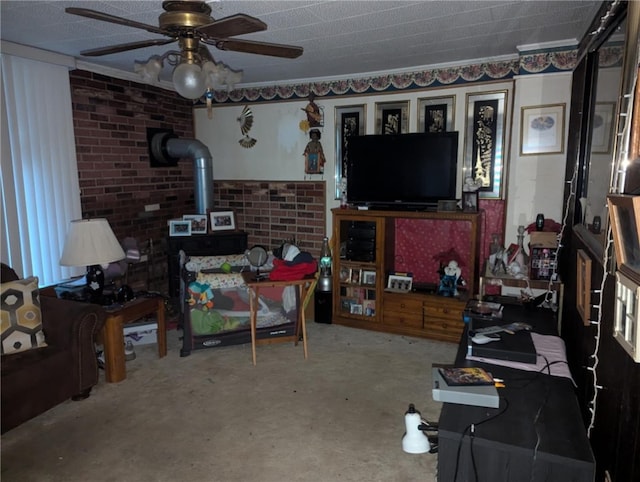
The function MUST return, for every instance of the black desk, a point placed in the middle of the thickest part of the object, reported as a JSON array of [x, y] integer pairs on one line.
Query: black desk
[[537, 433]]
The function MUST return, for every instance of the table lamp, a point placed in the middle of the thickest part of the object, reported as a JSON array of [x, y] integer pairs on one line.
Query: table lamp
[[91, 243]]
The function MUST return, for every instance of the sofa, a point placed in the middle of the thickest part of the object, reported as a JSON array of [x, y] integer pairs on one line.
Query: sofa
[[48, 352]]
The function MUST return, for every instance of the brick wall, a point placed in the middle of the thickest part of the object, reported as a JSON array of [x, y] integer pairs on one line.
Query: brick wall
[[274, 211], [111, 118]]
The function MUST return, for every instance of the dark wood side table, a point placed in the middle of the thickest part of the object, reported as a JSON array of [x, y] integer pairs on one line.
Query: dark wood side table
[[113, 336], [303, 286]]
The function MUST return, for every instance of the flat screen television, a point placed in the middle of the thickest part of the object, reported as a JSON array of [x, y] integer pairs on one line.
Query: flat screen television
[[403, 171]]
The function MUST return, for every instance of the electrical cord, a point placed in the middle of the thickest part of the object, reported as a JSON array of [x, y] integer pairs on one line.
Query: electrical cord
[[471, 429]]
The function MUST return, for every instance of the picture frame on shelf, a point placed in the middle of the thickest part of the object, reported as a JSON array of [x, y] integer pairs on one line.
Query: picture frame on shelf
[[392, 117], [470, 201], [399, 283], [601, 135], [355, 276], [350, 121], [198, 223], [542, 129], [179, 227], [485, 141], [356, 309], [436, 114], [345, 274], [222, 220], [368, 277]]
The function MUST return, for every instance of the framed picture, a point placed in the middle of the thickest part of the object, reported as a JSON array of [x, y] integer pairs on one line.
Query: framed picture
[[222, 220], [179, 227], [350, 121], [602, 127], [198, 223], [447, 206], [470, 202], [399, 283], [542, 129], [368, 277], [435, 114], [356, 309], [355, 276], [392, 117], [624, 214], [484, 142], [345, 274], [583, 286]]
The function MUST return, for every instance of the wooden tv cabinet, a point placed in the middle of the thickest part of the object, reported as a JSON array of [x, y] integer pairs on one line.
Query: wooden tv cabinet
[[364, 254]]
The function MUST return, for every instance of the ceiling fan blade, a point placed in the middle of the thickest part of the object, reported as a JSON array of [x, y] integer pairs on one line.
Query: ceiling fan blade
[[114, 49], [105, 17], [233, 25], [260, 48]]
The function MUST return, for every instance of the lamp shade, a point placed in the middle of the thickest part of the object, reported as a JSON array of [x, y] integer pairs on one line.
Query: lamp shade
[[90, 242]]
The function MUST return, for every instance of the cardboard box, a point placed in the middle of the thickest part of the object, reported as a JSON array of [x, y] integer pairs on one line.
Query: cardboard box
[[543, 238], [141, 333]]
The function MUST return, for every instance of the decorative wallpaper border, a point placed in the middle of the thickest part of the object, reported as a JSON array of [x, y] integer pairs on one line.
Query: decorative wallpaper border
[[528, 63]]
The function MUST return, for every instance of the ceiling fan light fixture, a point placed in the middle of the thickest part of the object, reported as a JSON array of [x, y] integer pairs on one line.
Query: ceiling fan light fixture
[[189, 80]]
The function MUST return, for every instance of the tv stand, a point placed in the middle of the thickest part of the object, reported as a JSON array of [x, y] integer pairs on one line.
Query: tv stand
[[366, 241]]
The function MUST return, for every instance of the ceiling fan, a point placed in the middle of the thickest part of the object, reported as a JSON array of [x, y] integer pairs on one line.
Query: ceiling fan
[[189, 23]]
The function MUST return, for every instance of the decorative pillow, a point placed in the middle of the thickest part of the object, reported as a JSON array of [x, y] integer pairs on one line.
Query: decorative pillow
[[21, 320]]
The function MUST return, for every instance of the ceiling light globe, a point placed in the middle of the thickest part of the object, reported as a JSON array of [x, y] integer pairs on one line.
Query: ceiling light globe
[[189, 80]]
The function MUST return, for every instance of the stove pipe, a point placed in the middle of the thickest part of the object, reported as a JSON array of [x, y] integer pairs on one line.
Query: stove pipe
[[165, 145]]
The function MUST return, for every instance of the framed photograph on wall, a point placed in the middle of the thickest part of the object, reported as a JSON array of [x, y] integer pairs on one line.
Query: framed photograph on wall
[[392, 117], [222, 220], [436, 114], [179, 227], [350, 121], [602, 127], [542, 129], [470, 202], [485, 141], [624, 214], [198, 223]]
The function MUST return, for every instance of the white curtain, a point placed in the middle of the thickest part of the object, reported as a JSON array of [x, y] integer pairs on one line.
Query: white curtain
[[40, 188]]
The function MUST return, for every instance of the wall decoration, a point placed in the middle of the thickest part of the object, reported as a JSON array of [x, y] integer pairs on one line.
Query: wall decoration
[[436, 114], [179, 227], [624, 214], [484, 142], [314, 159], [542, 129], [350, 121], [222, 220], [392, 117], [198, 222], [315, 114], [602, 127], [246, 122], [583, 286]]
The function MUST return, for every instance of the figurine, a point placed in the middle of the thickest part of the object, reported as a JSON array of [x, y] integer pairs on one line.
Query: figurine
[[313, 154], [449, 279]]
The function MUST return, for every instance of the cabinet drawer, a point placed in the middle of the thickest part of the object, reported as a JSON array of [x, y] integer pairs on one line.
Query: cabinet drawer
[[443, 311], [399, 318], [444, 329], [401, 303]]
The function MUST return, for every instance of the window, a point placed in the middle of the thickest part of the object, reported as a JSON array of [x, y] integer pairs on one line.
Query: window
[[40, 188]]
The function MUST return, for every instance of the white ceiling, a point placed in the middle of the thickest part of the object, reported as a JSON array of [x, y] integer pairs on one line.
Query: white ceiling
[[339, 37]]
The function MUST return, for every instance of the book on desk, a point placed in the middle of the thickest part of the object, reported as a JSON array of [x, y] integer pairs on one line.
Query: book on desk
[[476, 395]]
